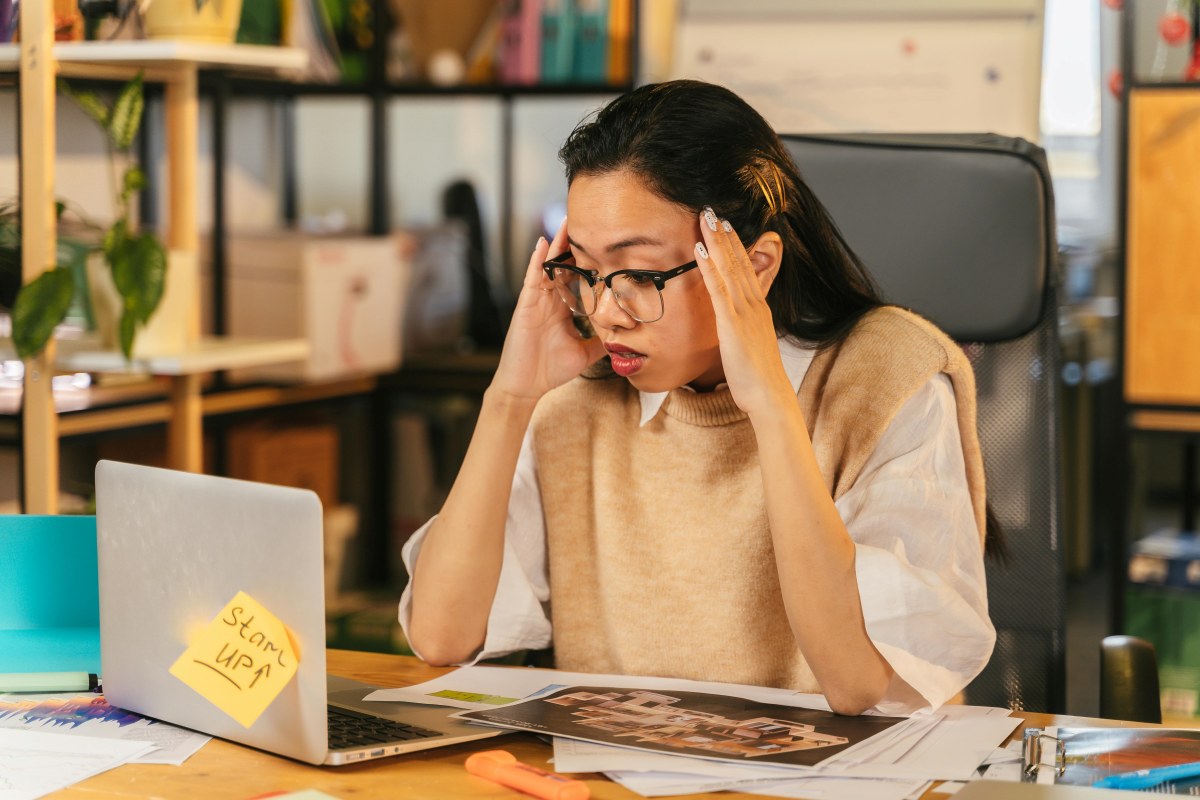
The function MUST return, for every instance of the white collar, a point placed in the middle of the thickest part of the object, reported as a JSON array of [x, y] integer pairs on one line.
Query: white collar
[[796, 360]]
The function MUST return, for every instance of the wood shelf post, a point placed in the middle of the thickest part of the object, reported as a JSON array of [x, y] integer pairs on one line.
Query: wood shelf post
[[39, 444], [181, 100]]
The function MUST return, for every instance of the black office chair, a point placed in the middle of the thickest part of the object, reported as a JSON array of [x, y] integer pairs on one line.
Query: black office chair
[[960, 228]]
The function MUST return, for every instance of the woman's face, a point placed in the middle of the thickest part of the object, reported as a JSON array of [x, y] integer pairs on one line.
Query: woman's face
[[615, 222]]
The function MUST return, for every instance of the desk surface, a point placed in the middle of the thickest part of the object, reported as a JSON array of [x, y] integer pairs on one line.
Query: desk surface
[[224, 770]]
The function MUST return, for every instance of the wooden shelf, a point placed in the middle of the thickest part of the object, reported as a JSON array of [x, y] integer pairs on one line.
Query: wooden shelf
[[259, 87], [100, 408], [148, 52], [1165, 421], [39, 60], [209, 355]]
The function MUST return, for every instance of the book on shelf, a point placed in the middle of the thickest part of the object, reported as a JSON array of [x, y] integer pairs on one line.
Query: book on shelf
[[520, 57], [620, 31], [558, 40], [590, 56]]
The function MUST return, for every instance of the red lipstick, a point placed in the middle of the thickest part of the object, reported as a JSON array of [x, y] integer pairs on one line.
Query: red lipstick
[[625, 362]]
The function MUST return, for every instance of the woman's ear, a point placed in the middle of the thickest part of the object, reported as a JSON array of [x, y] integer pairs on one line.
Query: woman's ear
[[766, 256]]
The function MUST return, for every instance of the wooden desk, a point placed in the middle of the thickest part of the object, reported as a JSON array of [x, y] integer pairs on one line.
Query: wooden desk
[[224, 770]]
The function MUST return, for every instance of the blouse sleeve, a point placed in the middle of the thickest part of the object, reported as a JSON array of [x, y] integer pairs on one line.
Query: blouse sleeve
[[519, 619], [919, 558]]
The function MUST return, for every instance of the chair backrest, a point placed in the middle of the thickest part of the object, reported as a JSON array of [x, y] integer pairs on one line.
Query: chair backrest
[[960, 229]]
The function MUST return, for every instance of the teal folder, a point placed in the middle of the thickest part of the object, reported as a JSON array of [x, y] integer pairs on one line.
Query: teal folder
[[49, 594]]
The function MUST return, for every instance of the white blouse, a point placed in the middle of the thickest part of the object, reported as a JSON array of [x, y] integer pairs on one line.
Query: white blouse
[[918, 554]]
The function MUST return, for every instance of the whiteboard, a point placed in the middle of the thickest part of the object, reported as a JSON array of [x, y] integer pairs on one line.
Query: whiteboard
[[811, 73]]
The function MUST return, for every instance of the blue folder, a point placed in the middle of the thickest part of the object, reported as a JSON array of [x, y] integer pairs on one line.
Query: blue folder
[[49, 594]]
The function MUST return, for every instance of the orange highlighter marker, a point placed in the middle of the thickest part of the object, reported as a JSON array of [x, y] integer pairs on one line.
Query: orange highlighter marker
[[502, 767]]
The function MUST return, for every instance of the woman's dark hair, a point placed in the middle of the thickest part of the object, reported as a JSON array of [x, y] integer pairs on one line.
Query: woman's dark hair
[[698, 144]]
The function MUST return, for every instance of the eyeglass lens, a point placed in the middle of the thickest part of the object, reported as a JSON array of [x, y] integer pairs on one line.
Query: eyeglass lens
[[637, 297]]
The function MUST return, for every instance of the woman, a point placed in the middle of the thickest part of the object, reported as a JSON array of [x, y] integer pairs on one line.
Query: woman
[[770, 478]]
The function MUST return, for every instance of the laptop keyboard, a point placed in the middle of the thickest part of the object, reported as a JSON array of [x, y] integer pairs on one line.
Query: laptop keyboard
[[351, 729]]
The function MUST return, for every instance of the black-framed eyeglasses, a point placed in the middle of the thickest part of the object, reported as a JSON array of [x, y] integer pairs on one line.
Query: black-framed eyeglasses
[[638, 292]]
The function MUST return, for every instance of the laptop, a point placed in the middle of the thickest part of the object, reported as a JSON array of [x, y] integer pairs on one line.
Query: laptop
[[173, 548]]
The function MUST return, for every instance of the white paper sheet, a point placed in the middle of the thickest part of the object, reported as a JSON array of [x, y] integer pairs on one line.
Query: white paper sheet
[[464, 687], [574, 755], [35, 763], [1002, 755], [89, 715], [1009, 771], [951, 751], [889, 746]]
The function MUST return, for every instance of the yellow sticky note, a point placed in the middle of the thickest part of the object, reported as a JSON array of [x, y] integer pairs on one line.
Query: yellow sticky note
[[241, 661]]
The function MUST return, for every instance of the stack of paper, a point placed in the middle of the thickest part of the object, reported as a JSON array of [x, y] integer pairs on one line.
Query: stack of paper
[[661, 736], [90, 715], [34, 763]]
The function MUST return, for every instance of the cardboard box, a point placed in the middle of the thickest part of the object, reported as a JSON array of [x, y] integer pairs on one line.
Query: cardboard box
[[304, 456], [345, 295]]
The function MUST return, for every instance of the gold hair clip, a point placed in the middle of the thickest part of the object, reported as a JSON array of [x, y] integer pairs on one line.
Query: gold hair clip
[[776, 206], [770, 198], [779, 187]]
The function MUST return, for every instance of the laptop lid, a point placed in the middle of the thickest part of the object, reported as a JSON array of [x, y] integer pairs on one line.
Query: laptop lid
[[173, 549]]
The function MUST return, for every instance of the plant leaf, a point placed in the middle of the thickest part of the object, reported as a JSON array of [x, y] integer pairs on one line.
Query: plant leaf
[[126, 115], [114, 239], [128, 328], [135, 179], [41, 305], [139, 269], [133, 182], [90, 102]]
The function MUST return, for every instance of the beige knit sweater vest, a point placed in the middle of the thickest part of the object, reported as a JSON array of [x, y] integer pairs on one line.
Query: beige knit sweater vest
[[660, 555]]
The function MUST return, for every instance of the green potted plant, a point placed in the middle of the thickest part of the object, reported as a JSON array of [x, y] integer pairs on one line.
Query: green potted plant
[[136, 260]]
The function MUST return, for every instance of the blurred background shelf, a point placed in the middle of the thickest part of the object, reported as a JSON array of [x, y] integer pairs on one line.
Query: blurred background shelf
[[210, 354]]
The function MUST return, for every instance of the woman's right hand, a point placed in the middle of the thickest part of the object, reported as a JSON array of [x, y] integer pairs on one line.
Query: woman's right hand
[[542, 349]]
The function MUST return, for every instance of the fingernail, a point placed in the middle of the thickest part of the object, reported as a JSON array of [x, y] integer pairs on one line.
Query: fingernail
[[725, 224], [541, 240], [701, 250], [710, 218]]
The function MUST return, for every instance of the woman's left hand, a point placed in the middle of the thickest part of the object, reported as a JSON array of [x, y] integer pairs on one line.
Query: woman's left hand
[[745, 329]]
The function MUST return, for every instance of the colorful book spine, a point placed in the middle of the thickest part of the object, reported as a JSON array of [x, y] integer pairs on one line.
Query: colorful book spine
[[590, 57], [558, 40], [521, 43], [620, 29]]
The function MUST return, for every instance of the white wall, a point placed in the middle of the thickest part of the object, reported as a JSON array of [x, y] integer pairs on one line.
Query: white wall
[[82, 175], [432, 142], [8, 146]]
